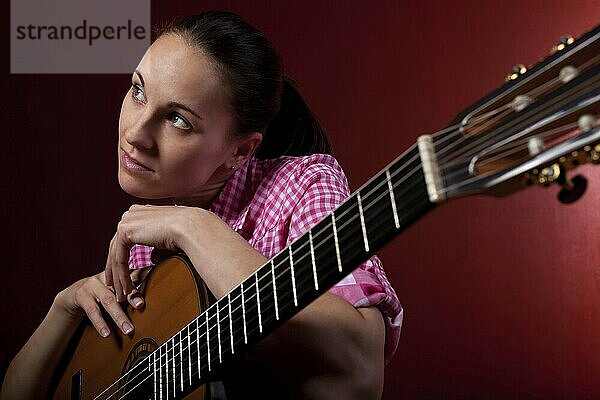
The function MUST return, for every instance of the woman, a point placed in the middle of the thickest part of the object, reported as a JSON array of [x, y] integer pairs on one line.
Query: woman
[[211, 123]]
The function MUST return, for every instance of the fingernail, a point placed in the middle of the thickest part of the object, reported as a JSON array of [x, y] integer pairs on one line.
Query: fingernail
[[127, 328], [137, 302], [104, 332]]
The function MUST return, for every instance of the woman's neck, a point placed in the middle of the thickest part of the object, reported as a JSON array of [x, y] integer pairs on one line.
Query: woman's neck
[[203, 198]]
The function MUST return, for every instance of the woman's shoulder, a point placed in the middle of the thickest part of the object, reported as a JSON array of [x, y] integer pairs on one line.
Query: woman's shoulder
[[289, 169]]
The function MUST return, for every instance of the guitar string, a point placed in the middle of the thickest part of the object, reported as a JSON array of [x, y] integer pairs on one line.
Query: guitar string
[[341, 228], [171, 359], [483, 140], [488, 139], [378, 186], [556, 81], [450, 188], [522, 144], [470, 124], [478, 140], [450, 176], [535, 92]]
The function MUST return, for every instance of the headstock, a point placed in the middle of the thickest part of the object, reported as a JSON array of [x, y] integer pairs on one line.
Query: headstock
[[540, 124]]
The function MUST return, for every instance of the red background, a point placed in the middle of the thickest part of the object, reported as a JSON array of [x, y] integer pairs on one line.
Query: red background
[[501, 297]]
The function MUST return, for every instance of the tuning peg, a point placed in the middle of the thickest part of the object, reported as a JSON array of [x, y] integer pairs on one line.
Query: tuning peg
[[568, 73], [572, 189], [516, 71], [564, 41], [593, 153], [549, 175]]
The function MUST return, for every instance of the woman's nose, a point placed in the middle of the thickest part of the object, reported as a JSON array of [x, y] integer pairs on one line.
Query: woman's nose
[[139, 133]]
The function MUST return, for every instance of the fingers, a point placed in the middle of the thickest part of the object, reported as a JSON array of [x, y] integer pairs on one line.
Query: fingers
[[108, 278], [136, 299], [94, 293], [117, 266], [120, 269]]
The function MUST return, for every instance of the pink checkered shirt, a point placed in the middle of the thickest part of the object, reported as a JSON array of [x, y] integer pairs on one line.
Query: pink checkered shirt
[[272, 202]]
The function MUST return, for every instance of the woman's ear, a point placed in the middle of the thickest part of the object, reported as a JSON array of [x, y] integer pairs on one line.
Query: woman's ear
[[244, 148]]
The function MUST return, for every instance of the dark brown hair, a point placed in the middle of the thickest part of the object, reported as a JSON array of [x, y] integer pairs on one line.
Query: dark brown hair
[[262, 97]]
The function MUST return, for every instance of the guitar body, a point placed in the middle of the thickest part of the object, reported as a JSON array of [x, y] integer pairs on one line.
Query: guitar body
[[174, 295]]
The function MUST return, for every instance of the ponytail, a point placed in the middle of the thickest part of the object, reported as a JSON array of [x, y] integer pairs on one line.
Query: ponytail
[[294, 131]]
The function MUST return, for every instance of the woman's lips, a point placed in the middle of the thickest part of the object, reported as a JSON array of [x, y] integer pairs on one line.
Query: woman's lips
[[131, 164]]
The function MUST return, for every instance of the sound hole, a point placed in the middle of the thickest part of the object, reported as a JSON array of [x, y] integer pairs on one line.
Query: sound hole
[[136, 380]]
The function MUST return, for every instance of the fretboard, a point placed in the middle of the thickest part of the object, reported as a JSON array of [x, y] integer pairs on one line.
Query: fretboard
[[317, 260]]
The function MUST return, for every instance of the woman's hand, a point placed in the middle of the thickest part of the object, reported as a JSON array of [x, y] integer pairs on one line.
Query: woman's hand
[[30, 372], [155, 226], [87, 295]]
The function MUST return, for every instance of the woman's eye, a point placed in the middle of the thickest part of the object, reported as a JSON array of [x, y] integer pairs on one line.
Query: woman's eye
[[179, 121], [137, 93]]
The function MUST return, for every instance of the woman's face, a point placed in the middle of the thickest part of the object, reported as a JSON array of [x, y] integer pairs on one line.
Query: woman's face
[[174, 124]]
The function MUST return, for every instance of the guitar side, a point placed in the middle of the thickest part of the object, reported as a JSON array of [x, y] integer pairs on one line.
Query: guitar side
[[173, 294]]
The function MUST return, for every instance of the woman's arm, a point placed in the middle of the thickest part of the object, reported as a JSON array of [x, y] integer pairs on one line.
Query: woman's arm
[[27, 376], [30, 372]]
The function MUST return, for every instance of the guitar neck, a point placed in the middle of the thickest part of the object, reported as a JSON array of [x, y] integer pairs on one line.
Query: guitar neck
[[317, 260]]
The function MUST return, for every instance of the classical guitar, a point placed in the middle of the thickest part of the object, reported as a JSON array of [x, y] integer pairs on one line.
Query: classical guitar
[[540, 124]]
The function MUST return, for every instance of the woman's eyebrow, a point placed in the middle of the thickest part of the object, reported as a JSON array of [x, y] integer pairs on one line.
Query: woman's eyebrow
[[171, 104], [139, 74]]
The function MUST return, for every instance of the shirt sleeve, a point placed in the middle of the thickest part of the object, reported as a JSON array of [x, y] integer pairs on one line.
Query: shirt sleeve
[[140, 256], [323, 188]]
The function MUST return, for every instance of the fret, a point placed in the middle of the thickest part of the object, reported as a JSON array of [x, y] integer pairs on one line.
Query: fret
[[362, 222], [198, 347], [160, 369], [258, 303], [274, 290], [253, 304], [207, 339], [223, 307], [219, 333], [293, 275], [189, 350], [303, 269], [312, 258], [244, 313], [230, 324], [266, 296], [337, 243], [173, 365], [180, 362], [349, 232], [149, 386], [236, 318], [167, 369], [392, 198], [379, 212], [326, 253], [154, 375], [413, 203], [283, 290]]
